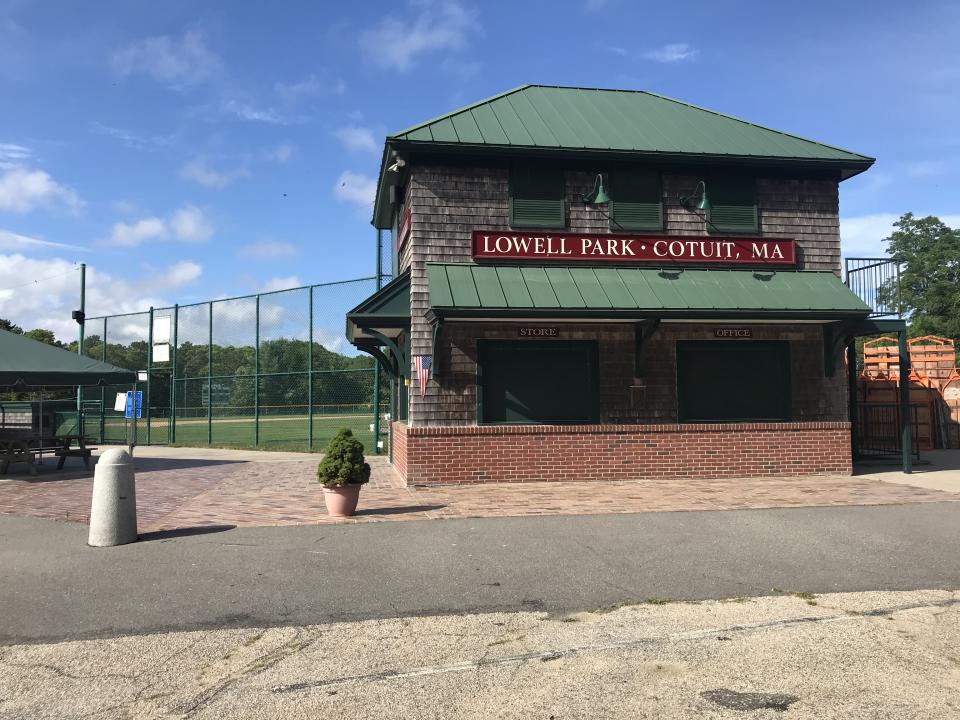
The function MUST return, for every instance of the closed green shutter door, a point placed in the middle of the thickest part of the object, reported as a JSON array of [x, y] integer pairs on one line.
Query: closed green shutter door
[[733, 380], [733, 205], [537, 198], [537, 382], [637, 201]]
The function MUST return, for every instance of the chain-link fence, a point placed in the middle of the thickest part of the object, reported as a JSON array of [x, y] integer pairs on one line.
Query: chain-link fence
[[271, 371]]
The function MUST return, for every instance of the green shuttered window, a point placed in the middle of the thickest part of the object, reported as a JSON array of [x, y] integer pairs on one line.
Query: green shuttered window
[[733, 205], [637, 201], [537, 198]]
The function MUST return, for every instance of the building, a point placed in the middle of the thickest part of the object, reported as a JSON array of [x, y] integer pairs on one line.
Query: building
[[609, 284]]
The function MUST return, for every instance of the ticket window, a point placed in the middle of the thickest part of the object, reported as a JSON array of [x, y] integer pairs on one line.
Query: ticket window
[[537, 382], [733, 380]]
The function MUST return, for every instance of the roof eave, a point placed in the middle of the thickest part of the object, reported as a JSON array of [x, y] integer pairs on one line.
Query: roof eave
[[858, 163]]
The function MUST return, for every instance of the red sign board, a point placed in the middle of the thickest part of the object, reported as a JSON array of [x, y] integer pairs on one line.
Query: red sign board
[[627, 249]]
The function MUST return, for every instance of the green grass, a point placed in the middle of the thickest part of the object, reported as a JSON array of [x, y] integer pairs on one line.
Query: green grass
[[276, 432]]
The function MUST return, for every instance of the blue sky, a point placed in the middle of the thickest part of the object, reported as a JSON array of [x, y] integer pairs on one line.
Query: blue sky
[[188, 150]]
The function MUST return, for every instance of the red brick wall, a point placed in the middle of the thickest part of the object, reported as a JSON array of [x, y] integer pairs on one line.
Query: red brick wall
[[518, 453]]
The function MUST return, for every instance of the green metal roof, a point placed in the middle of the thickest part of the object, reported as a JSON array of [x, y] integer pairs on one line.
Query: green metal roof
[[624, 120], [633, 124], [465, 290], [389, 307], [26, 363]]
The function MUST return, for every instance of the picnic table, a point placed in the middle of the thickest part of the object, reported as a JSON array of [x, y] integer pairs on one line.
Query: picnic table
[[18, 446]]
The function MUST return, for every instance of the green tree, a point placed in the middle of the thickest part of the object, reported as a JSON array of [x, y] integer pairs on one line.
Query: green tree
[[929, 290], [10, 327], [44, 336]]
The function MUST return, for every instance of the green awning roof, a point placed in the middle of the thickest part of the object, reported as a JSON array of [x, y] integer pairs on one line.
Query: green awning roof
[[26, 363], [388, 308], [476, 291]]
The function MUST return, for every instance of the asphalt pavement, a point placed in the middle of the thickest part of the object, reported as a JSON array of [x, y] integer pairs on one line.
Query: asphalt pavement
[[53, 587]]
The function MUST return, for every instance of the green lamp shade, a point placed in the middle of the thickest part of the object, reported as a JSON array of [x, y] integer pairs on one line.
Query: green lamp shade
[[704, 203], [601, 197]]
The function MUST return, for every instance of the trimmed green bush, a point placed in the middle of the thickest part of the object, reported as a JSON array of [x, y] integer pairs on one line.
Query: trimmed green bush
[[343, 462]]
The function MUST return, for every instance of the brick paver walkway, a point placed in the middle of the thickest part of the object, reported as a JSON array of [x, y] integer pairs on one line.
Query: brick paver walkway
[[254, 489]]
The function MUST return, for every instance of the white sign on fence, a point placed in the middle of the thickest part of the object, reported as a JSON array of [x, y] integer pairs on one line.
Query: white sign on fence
[[161, 329], [120, 404], [161, 353]]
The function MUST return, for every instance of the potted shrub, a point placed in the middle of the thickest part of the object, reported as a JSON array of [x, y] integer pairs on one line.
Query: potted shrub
[[341, 472]]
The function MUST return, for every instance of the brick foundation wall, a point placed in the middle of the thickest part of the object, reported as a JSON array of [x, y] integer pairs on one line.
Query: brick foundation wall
[[518, 453]]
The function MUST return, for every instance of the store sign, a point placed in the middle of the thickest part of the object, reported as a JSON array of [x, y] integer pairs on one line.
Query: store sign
[[538, 332], [733, 332], [627, 249]]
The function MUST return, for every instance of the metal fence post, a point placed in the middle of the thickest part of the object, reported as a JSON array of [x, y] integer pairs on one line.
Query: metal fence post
[[103, 392], [256, 379], [906, 426], [310, 373], [210, 377], [149, 368], [172, 425]]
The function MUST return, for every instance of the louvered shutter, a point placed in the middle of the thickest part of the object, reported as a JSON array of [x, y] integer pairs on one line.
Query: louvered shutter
[[637, 202], [537, 198], [733, 205]]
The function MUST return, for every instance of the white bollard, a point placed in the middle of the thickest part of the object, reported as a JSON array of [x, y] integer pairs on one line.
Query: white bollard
[[113, 513]]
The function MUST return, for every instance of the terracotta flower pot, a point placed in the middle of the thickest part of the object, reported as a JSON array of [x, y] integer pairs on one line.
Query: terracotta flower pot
[[341, 501]]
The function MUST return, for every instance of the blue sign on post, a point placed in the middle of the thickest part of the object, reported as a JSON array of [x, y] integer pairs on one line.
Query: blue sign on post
[[129, 408]]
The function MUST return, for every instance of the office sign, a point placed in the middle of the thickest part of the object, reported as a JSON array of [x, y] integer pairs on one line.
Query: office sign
[[733, 332], [630, 249]]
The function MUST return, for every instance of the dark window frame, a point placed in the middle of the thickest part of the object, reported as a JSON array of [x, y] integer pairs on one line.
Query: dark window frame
[[487, 345], [617, 225], [717, 185], [784, 400], [560, 222]]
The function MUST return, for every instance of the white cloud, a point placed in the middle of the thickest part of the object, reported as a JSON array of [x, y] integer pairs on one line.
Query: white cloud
[[199, 171], [191, 225], [673, 52], [358, 138], [928, 168], [182, 273], [188, 224], [132, 139], [309, 86], [269, 250], [19, 243], [177, 62], [12, 155], [247, 110], [281, 153], [355, 188], [281, 283], [40, 293], [132, 234], [398, 43], [23, 190], [862, 235]]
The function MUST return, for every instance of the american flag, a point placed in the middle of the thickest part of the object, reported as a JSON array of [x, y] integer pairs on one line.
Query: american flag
[[422, 364]]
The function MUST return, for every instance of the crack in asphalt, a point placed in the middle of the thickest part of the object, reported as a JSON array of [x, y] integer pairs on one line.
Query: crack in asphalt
[[549, 655]]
